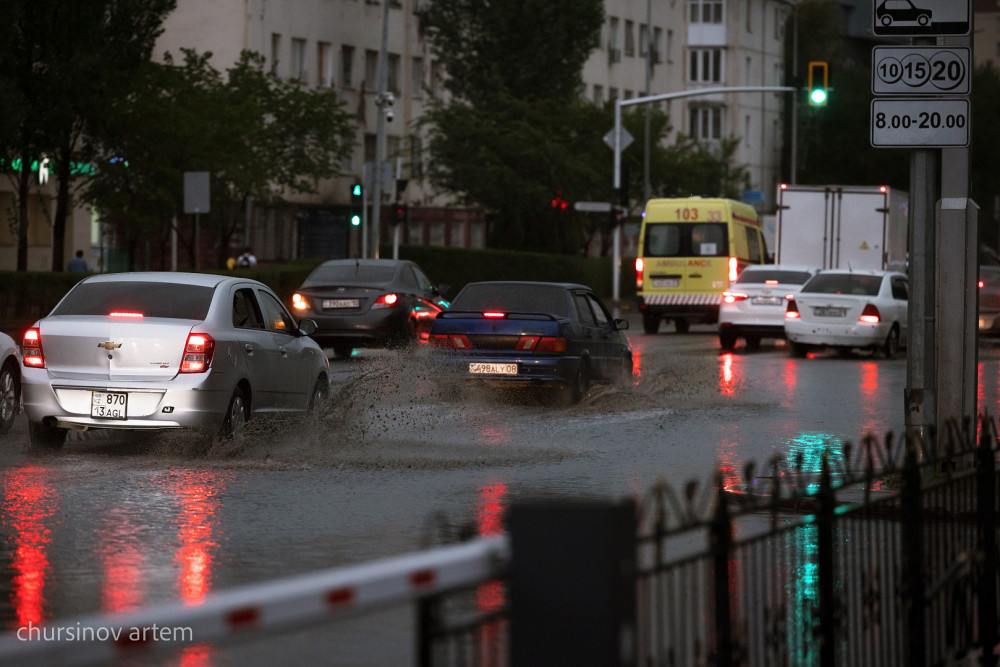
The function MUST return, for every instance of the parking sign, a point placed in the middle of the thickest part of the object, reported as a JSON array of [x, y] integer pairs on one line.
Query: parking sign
[[921, 18]]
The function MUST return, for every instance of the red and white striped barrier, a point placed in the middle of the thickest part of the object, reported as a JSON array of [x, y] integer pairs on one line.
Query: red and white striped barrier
[[247, 611]]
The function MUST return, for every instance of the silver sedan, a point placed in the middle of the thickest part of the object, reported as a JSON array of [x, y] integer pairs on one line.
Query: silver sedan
[[10, 382], [164, 351]]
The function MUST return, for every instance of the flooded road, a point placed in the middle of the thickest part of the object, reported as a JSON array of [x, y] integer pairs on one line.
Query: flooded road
[[395, 464]]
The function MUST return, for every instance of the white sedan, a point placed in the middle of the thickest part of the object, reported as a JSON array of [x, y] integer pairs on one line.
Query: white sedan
[[849, 309], [10, 382], [164, 351], [754, 305]]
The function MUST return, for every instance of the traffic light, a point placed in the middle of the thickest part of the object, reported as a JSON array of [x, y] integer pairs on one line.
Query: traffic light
[[357, 204], [819, 78], [559, 201], [398, 214]]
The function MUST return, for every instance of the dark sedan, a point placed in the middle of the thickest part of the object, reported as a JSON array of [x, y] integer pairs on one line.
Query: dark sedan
[[532, 334], [374, 303]]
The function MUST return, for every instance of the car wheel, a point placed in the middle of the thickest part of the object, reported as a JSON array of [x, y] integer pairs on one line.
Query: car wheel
[[320, 392], [887, 20], [799, 350], [923, 20], [727, 340], [580, 385], [236, 416], [681, 325], [891, 346], [10, 396], [650, 324], [46, 437], [628, 368], [753, 342]]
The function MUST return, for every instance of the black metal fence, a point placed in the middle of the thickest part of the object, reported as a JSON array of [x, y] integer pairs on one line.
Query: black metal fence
[[881, 554]]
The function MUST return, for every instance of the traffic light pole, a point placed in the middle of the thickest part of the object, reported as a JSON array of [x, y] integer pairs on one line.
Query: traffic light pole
[[617, 141]]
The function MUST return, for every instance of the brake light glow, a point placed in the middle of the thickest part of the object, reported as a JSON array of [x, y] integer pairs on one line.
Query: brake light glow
[[493, 315], [198, 353], [299, 302], [770, 282], [870, 314], [386, 301], [550, 344], [451, 341], [125, 315], [31, 349], [792, 310], [734, 269], [981, 283], [733, 297], [639, 265]]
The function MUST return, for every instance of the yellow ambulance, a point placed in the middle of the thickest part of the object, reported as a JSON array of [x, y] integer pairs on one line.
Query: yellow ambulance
[[690, 250]]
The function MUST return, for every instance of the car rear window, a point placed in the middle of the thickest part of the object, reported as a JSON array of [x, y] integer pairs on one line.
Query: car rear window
[[686, 239], [352, 274], [785, 277], [513, 299], [844, 283], [170, 300]]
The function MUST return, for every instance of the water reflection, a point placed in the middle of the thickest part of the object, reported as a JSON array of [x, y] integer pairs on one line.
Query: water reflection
[[122, 561], [490, 596], [871, 414], [727, 382], [196, 493], [29, 504]]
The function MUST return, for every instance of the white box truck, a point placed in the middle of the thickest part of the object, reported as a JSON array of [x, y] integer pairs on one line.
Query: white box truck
[[841, 226]]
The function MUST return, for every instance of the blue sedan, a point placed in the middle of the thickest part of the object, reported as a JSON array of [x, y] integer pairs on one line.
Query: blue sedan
[[532, 334]]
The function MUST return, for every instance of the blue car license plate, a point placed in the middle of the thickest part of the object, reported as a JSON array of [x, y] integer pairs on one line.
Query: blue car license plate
[[492, 369]]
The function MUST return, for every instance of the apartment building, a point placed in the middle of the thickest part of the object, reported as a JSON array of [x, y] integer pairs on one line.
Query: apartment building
[[647, 47]]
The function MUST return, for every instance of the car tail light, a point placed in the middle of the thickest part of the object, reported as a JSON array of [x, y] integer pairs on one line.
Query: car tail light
[[386, 301], [31, 349], [791, 310], [639, 264], [451, 341], [197, 353], [493, 315], [299, 302], [549, 344], [734, 269], [870, 314], [733, 297], [981, 283], [125, 315]]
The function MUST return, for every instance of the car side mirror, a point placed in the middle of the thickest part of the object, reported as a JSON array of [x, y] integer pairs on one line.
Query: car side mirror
[[621, 323], [307, 327]]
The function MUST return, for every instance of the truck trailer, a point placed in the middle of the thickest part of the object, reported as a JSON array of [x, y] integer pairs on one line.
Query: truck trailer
[[841, 226]]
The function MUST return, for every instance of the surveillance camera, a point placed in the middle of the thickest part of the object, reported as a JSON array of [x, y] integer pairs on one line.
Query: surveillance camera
[[389, 115], [389, 99]]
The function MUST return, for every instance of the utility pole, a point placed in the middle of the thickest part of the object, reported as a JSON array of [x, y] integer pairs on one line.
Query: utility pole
[[383, 102]]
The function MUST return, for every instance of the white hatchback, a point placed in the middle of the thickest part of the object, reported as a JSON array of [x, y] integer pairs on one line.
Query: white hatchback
[[849, 309], [754, 306]]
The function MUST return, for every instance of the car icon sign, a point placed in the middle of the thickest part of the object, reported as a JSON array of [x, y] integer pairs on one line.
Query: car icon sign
[[890, 11]]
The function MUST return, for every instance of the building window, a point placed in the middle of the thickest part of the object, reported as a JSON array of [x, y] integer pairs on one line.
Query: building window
[[298, 59], [747, 71], [392, 73], [629, 38], [324, 65], [706, 65], [598, 95], [347, 66], [705, 11], [613, 33], [706, 122], [417, 77], [612, 94], [657, 45], [643, 39], [275, 51], [370, 143], [416, 158], [750, 15], [371, 70], [437, 79], [746, 131]]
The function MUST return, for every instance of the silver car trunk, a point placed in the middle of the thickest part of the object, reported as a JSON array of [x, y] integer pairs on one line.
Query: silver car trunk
[[102, 348]]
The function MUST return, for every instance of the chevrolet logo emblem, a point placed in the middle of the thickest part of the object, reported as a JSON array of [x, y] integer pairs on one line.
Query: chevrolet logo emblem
[[109, 345]]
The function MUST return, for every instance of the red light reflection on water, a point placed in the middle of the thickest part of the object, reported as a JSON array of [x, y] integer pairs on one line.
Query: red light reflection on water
[[122, 560], [196, 522], [490, 596], [28, 503], [636, 363], [869, 398], [727, 381]]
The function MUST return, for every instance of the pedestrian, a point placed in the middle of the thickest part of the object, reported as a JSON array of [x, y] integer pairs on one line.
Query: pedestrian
[[247, 260], [78, 263]]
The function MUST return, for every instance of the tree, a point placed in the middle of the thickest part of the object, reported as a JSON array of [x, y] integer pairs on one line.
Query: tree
[[59, 64], [257, 135]]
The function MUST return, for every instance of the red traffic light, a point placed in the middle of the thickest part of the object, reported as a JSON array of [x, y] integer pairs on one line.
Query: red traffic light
[[559, 201]]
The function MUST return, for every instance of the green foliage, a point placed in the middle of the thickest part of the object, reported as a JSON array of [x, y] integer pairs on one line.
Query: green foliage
[[258, 136]]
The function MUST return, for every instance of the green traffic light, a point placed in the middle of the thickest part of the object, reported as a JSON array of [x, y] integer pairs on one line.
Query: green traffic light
[[356, 220], [818, 96], [357, 191]]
